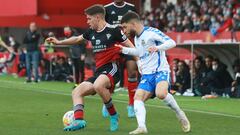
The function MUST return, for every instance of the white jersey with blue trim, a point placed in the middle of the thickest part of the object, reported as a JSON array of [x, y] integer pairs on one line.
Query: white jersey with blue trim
[[156, 61]]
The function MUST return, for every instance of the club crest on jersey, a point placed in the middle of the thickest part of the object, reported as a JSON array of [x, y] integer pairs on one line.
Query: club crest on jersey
[[108, 36], [98, 42], [143, 43], [120, 17], [113, 12]]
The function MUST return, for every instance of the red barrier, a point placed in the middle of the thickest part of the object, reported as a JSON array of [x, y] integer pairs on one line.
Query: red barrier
[[18, 7], [204, 37]]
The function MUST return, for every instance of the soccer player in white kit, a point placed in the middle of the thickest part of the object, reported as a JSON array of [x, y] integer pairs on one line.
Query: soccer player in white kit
[[150, 47]]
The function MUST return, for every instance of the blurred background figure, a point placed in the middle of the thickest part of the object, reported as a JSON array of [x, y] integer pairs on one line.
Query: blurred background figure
[[77, 54], [31, 40], [49, 46], [198, 74], [235, 90], [62, 70], [182, 78]]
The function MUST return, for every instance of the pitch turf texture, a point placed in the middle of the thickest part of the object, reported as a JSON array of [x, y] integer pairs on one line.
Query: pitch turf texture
[[37, 109]]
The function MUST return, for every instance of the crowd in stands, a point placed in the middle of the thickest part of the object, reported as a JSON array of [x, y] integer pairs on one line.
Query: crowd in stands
[[210, 77], [195, 16]]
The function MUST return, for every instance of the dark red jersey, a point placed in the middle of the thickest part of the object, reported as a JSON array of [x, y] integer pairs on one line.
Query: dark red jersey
[[103, 43]]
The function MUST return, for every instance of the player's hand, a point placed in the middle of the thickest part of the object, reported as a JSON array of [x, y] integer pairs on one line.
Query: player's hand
[[53, 40], [119, 46], [152, 49]]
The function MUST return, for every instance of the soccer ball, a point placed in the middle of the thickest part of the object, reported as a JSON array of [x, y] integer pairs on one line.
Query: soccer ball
[[68, 118]]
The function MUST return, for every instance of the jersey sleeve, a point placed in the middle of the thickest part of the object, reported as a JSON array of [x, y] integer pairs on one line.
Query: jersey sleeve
[[158, 36], [107, 15], [134, 9], [86, 35], [119, 35]]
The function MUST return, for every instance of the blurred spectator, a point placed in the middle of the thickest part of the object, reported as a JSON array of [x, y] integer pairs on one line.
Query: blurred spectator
[[3, 44], [182, 78], [14, 47], [62, 70], [220, 71], [45, 68], [49, 46], [174, 69], [31, 40], [218, 81], [22, 62], [194, 15], [208, 81], [198, 72], [77, 53], [235, 90]]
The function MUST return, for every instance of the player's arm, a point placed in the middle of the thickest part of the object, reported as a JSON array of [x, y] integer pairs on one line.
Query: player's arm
[[69, 41], [167, 43], [3, 44], [130, 49]]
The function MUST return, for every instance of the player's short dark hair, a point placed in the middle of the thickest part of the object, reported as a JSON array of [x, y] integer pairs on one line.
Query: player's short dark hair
[[95, 9], [130, 16]]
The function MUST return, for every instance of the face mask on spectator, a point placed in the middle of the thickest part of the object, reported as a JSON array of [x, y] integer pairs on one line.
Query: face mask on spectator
[[67, 33], [214, 67], [178, 22]]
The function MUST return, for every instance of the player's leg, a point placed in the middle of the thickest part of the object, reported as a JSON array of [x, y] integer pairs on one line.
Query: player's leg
[[132, 84], [78, 94], [161, 92], [28, 66], [140, 97], [102, 86]]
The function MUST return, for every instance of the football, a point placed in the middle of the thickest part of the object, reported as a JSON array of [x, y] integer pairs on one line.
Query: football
[[68, 118]]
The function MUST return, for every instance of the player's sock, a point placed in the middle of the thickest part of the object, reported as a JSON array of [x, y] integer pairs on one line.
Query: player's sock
[[132, 86], [110, 107], [171, 102], [140, 113], [78, 111]]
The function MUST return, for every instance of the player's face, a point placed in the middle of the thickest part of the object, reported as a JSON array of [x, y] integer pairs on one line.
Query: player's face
[[92, 21], [128, 29]]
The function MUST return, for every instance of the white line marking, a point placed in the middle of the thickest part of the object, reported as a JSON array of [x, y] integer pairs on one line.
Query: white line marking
[[125, 102]]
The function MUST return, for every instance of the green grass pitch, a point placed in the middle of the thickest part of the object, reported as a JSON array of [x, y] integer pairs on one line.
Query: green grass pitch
[[37, 109]]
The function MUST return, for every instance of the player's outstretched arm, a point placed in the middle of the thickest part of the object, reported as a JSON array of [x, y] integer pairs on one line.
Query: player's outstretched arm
[[128, 50], [168, 44], [69, 41]]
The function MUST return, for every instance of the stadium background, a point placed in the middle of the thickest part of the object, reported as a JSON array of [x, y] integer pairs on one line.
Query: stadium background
[[53, 15]]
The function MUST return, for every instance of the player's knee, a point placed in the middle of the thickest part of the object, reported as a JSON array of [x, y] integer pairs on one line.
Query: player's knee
[[98, 87], [132, 74], [161, 95], [75, 92], [138, 96]]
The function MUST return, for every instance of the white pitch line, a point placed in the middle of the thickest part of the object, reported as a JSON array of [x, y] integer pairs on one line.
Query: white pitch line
[[125, 102]]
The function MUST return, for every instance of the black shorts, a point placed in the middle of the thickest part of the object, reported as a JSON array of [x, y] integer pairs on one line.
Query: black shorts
[[111, 70]]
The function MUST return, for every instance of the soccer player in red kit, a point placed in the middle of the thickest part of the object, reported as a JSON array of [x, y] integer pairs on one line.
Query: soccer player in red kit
[[114, 13], [103, 38]]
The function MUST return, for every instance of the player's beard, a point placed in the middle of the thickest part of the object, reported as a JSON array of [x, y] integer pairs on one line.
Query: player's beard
[[132, 33]]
